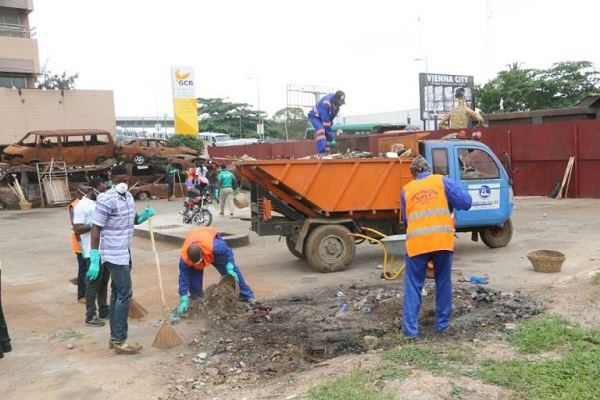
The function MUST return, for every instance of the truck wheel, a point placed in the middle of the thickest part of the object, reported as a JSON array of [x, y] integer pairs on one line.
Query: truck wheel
[[143, 196], [498, 236], [329, 248], [290, 245]]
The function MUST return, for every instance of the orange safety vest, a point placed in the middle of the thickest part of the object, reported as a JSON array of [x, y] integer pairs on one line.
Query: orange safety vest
[[430, 225], [203, 237], [74, 238]]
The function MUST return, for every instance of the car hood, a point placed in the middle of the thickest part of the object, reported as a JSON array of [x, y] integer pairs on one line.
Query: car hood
[[14, 149]]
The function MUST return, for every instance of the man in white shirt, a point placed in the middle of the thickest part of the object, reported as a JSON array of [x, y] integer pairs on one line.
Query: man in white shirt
[[96, 290]]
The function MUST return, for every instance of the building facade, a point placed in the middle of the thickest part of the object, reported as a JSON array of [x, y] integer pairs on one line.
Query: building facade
[[23, 107]]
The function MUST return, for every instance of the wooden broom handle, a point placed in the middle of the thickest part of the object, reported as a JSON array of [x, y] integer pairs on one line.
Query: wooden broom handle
[[160, 285]]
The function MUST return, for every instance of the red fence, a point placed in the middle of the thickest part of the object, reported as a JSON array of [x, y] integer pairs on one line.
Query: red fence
[[538, 153]]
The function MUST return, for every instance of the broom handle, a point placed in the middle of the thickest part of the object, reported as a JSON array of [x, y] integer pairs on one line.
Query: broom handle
[[162, 291]]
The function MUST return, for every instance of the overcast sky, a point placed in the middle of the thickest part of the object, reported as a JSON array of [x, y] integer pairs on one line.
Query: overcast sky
[[366, 48]]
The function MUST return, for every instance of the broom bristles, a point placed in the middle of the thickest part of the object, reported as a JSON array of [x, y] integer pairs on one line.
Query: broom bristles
[[167, 337], [136, 310]]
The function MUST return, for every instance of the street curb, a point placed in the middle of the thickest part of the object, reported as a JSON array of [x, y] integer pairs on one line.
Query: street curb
[[232, 240]]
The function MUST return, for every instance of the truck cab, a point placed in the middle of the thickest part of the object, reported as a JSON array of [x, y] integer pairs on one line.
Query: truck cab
[[482, 175]]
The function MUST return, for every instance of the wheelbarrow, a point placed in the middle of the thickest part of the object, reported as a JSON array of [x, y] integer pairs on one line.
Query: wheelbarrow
[[394, 245]]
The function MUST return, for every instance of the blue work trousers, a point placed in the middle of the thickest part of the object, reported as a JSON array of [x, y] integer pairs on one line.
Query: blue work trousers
[[416, 268], [120, 297], [191, 280], [322, 135]]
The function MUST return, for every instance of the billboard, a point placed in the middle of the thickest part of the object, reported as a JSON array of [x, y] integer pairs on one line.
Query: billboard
[[437, 93], [185, 109]]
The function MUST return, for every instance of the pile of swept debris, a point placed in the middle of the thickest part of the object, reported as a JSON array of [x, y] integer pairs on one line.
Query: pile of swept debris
[[244, 345]]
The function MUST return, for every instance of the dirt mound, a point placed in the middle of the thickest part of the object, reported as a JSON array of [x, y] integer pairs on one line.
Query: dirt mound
[[291, 334]]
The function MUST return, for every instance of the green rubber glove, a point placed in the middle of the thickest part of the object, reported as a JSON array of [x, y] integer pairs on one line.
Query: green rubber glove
[[173, 171], [147, 213], [94, 268], [217, 193], [333, 143], [231, 271], [183, 305]]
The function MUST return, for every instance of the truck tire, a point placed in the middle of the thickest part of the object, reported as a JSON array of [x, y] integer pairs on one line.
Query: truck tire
[[329, 248], [498, 236], [290, 245]]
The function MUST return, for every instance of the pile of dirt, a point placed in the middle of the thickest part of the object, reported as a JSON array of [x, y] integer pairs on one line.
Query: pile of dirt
[[244, 345]]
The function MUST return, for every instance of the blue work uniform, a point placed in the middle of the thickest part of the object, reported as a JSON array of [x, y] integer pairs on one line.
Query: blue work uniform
[[416, 267], [321, 117], [191, 279]]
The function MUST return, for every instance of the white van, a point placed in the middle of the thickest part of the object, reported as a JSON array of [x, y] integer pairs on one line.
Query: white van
[[214, 138], [223, 139]]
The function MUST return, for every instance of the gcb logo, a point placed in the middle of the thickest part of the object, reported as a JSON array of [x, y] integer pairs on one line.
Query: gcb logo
[[484, 191], [182, 79]]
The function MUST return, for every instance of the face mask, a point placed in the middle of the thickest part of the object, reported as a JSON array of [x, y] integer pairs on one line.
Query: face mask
[[121, 188]]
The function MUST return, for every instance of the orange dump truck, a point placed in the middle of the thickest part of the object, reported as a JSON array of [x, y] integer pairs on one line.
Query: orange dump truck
[[316, 203]]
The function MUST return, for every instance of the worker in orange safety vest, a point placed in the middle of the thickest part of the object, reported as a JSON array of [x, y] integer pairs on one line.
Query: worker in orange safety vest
[[204, 246], [427, 205]]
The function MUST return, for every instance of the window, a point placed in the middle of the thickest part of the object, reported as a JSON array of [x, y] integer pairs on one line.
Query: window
[[477, 164], [71, 141], [9, 81], [10, 24], [96, 140], [440, 161]]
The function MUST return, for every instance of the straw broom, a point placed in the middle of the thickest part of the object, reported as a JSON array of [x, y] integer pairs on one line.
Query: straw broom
[[136, 310], [166, 337]]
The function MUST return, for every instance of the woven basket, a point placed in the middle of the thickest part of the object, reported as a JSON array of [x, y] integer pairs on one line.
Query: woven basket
[[241, 200], [546, 260]]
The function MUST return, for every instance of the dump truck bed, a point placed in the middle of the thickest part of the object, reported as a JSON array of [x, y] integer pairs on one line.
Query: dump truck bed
[[341, 187]]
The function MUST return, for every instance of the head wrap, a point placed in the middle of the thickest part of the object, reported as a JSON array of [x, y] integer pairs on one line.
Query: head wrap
[[420, 164]]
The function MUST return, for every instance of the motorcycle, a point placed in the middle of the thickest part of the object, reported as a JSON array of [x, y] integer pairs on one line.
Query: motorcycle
[[196, 208]]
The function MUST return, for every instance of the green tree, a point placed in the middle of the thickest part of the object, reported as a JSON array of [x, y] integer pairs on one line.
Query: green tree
[[523, 89], [191, 141], [51, 81], [235, 119], [296, 121]]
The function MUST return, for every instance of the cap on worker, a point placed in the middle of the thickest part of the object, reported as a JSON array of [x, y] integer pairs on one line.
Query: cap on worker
[[420, 164], [339, 97], [194, 253]]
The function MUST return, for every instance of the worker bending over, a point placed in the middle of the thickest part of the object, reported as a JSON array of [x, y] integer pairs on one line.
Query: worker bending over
[[427, 205], [321, 117], [204, 246]]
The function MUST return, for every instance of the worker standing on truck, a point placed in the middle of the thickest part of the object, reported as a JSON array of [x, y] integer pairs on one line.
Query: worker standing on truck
[[321, 117], [204, 246], [459, 116], [427, 205]]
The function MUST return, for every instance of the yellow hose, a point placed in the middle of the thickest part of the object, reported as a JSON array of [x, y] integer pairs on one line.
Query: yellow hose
[[395, 274]]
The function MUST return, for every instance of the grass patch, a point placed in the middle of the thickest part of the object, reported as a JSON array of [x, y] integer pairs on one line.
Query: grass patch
[[595, 279], [575, 375], [359, 385], [435, 359], [545, 334]]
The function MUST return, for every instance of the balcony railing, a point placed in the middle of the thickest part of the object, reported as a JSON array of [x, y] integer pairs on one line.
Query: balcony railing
[[14, 30]]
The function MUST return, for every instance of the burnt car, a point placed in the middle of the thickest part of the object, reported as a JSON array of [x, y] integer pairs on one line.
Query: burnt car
[[141, 150], [73, 146], [158, 188]]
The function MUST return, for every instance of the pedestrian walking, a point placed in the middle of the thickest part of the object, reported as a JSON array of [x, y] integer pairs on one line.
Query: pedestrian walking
[[227, 184]]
